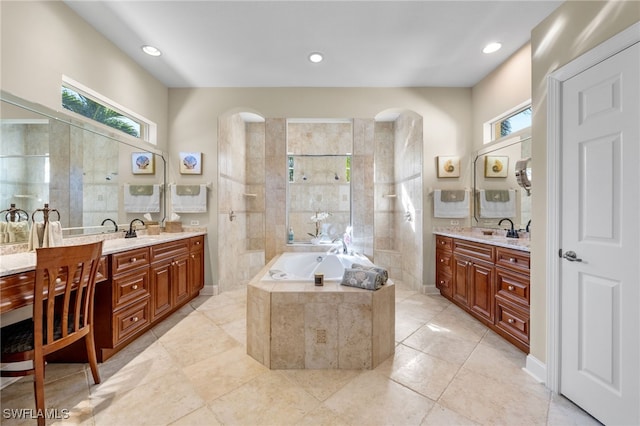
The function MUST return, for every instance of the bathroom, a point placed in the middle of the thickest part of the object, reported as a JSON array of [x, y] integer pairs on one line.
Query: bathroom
[[451, 122]]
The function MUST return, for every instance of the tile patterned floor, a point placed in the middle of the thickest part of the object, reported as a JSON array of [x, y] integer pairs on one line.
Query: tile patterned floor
[[192, 369]]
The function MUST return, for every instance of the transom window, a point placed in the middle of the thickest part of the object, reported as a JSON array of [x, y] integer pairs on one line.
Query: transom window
[[96, 107], [510, 122]]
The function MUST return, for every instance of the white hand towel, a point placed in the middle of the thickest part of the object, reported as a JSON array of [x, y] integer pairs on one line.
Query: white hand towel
[[457, 209], [187, 201], [18, 231], [52, 234], [141, 203], [4, 237], [36, 236], [497, 209]]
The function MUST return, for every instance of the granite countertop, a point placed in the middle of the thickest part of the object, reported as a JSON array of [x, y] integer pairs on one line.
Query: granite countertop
[[497, 239], [26, 261]]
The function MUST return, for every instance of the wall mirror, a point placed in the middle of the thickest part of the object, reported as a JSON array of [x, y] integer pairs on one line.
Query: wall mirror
[[502, 182], [319, 179], [78, 168]]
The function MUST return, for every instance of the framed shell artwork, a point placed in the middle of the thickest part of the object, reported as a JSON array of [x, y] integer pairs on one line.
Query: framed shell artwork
[[142, 163], [496, 166], [191, 163], [448, 166]]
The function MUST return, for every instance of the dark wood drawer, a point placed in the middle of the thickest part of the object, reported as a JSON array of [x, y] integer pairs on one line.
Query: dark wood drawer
[[445, 243], [128, 260], [130, 320], [474, 250], [512, 320], [169, 250], [443, 283], [444, 261], [513, 286], [196, 243], [129, 287], [513, 259]]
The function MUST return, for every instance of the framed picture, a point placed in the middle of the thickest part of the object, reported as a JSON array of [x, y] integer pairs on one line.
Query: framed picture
[[142, 163], [448, 166], [191, 163], [496, 166]]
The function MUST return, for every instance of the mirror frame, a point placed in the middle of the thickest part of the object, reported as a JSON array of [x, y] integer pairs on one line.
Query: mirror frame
[[79, 122]]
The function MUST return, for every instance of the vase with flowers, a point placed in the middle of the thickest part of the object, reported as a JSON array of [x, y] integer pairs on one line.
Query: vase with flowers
[[317, 219]]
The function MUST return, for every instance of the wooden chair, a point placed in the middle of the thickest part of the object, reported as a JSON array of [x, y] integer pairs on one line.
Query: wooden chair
[[69, 273]]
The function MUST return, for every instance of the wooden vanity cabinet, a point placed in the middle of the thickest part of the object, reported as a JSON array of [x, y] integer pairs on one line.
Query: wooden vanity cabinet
[[135, 290], [473, 283], [121, 307], [169, 277], [195, 265], [490, 282], [444, 263]]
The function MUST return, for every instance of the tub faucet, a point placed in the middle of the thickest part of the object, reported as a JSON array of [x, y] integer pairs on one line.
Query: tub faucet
[[528, 226], [511, 233], [112, 221], [131, 233]]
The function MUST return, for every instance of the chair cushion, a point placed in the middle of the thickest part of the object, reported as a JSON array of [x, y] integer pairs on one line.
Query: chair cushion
[[18, 337]]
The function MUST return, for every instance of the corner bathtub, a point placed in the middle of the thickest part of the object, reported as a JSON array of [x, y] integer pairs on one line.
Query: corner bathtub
[[294, 324], [303, 266]]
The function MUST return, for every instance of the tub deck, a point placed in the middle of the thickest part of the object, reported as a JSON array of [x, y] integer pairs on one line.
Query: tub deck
[[297, 325]]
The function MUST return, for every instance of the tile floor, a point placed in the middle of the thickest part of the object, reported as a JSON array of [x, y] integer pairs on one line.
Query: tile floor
[[192, 369]]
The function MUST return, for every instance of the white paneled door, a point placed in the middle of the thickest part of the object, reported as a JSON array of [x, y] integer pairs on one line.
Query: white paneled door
[[600, 239]]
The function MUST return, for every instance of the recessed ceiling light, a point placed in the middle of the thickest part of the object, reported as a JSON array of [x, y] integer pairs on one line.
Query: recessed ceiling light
[[492, 47], [151, 51], [316, 57]]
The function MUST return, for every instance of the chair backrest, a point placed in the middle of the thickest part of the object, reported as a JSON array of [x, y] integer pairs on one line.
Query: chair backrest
[[68, 274]]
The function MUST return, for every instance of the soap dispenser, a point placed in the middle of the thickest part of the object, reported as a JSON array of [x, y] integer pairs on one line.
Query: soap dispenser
[[290, 239]]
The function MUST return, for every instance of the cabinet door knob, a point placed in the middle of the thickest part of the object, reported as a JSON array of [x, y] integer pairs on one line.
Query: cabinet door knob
[[133, 259], [197, 243], [441, 260], [511, 288], [513, 260], [58, 280], [511, 320], [193, 256], [441, 281], [134, 287], [134, 319]]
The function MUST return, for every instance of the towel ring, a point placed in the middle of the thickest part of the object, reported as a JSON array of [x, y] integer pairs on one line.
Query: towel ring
[[13, 213], [45, 212]]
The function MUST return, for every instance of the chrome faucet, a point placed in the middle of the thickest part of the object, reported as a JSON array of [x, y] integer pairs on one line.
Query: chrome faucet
[[112, 221], [131, 233], [511, 233], [528, 226]]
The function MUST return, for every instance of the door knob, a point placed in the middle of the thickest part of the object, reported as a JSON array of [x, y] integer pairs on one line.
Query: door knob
[[571, 256]]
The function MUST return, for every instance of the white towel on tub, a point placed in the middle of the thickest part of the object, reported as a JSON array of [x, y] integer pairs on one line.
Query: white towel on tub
[[184, 199], [457, 209], [141, 203]]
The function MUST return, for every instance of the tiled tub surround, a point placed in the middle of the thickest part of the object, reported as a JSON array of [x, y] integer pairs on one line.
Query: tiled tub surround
[[297, 325]]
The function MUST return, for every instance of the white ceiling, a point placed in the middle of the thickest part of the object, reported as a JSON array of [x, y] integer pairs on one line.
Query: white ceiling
[[365, 43]]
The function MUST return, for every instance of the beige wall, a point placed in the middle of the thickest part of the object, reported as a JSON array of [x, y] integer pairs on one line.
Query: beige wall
[[573, 29], [446, 116], [506, 87], [43, 40]]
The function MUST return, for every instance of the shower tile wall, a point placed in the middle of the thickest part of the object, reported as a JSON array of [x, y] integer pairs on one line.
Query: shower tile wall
[[362, 186], [408, 213], [22, 178], [100, 159], [239, 251]]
